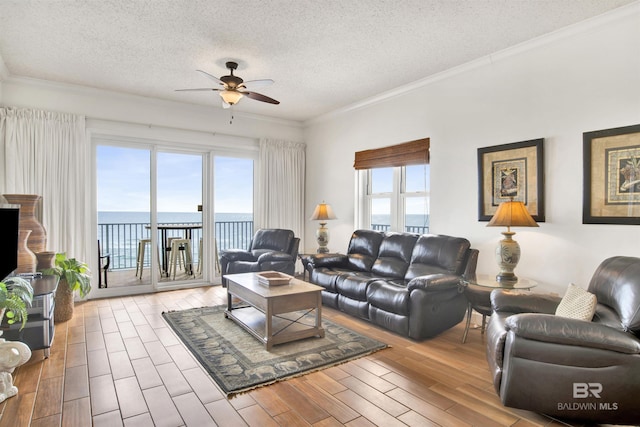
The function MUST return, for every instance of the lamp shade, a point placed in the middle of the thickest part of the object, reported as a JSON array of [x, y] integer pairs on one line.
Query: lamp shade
[[323, 212], [512, 214]]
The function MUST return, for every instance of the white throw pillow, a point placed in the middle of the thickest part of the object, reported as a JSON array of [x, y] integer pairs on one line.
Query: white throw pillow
[[577, 303]]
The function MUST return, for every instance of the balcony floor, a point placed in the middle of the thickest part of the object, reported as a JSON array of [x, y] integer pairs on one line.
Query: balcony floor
[[127, 277]]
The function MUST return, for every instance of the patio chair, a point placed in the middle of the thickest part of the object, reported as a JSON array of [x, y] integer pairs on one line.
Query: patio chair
[[104, 260]]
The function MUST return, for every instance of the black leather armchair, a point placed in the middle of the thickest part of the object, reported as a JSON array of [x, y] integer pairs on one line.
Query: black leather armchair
[[270, 249], [567, 368]]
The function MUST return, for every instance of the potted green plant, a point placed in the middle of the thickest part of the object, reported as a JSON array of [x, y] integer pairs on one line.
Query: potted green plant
[[16, 295], [74, 276]]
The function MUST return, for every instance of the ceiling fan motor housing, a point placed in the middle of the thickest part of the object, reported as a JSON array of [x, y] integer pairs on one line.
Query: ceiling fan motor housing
[[231, 81]]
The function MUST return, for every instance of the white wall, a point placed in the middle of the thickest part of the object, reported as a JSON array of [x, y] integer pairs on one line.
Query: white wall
[[581, 79]]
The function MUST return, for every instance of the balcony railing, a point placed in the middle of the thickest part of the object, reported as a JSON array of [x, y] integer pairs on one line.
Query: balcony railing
[[120, 241], [419, 229]]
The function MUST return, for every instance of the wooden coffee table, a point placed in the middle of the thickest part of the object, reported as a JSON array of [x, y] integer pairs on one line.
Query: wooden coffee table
[[270, 316]]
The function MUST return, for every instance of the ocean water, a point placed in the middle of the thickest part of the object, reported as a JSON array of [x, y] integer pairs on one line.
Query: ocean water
[[113, 217], [188, 217]]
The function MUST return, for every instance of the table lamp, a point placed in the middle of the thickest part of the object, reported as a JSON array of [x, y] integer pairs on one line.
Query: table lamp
[[322, 213], [510, 214]]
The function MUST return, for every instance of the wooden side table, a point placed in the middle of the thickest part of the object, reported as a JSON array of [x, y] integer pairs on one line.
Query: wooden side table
[[478, 292]]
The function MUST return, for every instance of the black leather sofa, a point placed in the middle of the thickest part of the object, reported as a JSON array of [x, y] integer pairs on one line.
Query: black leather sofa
[[569, 368], [407, 283]]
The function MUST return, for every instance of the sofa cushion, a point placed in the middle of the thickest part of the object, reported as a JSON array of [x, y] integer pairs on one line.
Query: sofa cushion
[[388, 297], [363, 249], [243, 267], [354, 287], [438, 254], [394, 255], [327, 277]]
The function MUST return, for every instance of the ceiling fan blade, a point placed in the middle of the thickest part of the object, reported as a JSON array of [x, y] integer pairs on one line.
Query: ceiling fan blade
[[209, 76], [198, 89], [253, 84], [260, 97]]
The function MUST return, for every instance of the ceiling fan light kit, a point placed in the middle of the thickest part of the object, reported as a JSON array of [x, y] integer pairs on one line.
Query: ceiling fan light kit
[[233, 88], [231, 97]]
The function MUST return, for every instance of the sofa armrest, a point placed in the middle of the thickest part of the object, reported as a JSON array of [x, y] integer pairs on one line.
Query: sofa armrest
[[523, 302], [580, 333], [275, 256], [434, 282], [328, 260], [232, 255]]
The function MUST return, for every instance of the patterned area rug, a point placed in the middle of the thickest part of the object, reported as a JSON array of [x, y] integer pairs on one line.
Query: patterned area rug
[[239, 362]]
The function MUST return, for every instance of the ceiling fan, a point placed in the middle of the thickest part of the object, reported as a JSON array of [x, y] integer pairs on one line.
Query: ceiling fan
[[232, 88]]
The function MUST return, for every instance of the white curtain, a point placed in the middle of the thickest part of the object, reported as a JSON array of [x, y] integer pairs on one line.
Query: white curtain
[[281, 185], [44, 153]]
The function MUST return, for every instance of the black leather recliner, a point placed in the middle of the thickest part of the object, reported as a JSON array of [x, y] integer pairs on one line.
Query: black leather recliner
[[269, 250], [568, 368]]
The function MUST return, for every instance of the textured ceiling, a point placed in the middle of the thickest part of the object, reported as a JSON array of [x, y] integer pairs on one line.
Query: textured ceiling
[[323, 55]]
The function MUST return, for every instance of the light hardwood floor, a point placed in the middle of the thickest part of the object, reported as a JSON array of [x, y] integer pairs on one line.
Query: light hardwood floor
[[118, 363]]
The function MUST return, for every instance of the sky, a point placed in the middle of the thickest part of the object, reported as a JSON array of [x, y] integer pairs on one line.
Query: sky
[[124, 181]]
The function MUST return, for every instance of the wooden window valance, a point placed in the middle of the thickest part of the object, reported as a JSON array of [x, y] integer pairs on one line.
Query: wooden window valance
[[409, 153]]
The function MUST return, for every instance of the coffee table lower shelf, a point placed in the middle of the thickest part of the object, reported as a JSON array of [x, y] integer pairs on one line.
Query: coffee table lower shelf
[[282, 328]]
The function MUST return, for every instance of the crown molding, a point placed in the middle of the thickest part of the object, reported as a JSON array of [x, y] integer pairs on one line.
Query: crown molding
[[96, 92], [537, 42], [118, 130]]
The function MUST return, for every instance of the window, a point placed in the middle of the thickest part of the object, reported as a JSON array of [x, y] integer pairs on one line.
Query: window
[[395, 197], [415, 194]]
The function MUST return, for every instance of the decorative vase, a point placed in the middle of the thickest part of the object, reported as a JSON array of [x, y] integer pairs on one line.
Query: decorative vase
[[38, 239], [64, 302], [26, 258], [46, 260]]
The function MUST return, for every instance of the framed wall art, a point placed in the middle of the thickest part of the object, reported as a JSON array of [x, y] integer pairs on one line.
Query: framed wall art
[[508, 171], [611, 192]]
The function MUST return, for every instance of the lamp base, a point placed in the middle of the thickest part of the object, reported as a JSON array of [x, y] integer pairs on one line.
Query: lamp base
[[322, 237], [506, 278], [507, 257]]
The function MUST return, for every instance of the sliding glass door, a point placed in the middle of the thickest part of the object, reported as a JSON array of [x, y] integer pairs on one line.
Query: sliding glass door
[[123, 178], [179, 220], [163, 215]]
